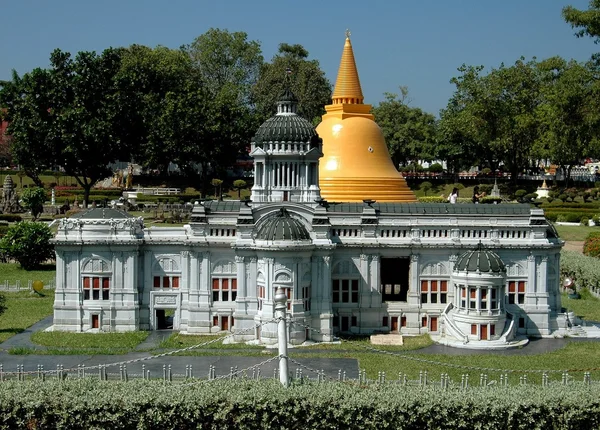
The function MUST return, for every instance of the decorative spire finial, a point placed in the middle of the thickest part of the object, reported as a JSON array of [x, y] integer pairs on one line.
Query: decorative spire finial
[[348, 33]]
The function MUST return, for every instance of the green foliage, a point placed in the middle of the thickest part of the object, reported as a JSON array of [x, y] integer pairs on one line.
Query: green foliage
[[306, 80], [490, 199], [425, 186], [587, 21], [591, 246], [485, 188], [70, 115], [249, 404], [239, 184], [28, 243], [436, 168], [10, 217], [33, 199], [409, 132], [584, 269]]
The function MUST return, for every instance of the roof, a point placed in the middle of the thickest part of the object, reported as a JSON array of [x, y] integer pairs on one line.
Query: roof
[[285, 128], [479, 260], [281, 226], [102, 213], [432, 208], [347, 86], [223, 206]]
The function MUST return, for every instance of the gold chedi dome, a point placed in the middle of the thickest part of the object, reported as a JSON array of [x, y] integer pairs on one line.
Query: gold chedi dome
[[356, 164]]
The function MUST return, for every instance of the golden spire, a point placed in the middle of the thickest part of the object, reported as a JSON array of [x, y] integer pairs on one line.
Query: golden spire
[[347, 86]]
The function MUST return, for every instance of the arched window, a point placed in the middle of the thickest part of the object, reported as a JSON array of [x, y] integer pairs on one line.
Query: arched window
[[96, 277]]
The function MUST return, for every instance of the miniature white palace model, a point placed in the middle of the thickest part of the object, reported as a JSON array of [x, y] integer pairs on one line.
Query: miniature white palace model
[[468, 274]]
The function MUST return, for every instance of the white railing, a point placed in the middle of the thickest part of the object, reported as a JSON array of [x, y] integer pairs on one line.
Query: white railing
[[18, 286]]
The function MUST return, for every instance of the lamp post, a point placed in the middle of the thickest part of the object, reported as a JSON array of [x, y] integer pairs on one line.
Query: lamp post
[[280, 308]]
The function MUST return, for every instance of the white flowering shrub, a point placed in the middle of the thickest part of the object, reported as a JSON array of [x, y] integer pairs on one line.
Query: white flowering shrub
[[584, 270], [247, 404]]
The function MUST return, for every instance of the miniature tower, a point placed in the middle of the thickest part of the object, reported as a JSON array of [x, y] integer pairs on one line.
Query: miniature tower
[[286, 151], [356, 163]]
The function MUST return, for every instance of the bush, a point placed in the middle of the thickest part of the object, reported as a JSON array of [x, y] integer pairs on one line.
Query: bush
[[10, 217], [433, 199], [33, 199], [591, 246], [425, 187], [251, 404], [485, 188], [583, 268], [28, 243], [489, 199], [520, 194], [585, 220], [458, 186], [436, 168]]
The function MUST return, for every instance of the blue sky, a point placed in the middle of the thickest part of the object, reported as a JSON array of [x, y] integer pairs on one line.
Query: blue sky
[[417, 43]]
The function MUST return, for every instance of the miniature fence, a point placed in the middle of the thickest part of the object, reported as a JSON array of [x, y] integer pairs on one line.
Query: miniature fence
[[296, 376], [158, 191], [18, 286]]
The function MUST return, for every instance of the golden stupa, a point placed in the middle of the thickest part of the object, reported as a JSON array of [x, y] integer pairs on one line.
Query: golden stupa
[[356, 164]]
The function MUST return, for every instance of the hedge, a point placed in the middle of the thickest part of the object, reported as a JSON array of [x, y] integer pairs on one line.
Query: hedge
[[568, 216], [10, 217], [584, 269], [249, 404]]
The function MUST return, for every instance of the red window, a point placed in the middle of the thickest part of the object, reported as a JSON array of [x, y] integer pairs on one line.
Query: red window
[[99, 287]]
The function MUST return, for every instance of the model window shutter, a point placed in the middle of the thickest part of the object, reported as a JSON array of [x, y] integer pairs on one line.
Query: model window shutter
[[175, 281]]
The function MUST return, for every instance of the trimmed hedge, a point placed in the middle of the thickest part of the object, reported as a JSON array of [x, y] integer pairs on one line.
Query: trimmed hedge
[[10, 218], [584, 269], [248, 404]]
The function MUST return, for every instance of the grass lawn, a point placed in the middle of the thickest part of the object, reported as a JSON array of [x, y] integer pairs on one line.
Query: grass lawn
[[88, 343], [574, 232], [178, 341], [576, 355], [588, 307], [24, 309], [13, 272]]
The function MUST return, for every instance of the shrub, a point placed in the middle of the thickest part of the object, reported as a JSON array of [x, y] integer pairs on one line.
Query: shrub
[[28, 243], [33, 199], [436, 168], [596, 219], [583, 268], [585, 220], [489, 199], [11, 217], [433, 199], [591, 246], [485, 188], [458, 186], [425, 187], [520, 194], [248, 404]]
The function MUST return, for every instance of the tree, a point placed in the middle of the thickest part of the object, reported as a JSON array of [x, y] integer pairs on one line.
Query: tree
[[570, 112], [69, 116], [409, 132], [226, 66], [493, 118], [27, 109], [291, 67], [225, 59], [239, 184], [426, 187], [217, 184], [28, 243], [147, 77], [33, 199], [587, 21]]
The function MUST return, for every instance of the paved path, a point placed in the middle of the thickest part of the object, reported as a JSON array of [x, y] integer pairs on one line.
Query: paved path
[[142, 360]]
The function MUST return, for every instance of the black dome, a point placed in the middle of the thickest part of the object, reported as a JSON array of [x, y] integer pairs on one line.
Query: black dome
[[281, 226], [288, 128], [480, 260]]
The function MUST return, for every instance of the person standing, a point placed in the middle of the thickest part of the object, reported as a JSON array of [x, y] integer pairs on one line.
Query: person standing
[[453, 196]]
